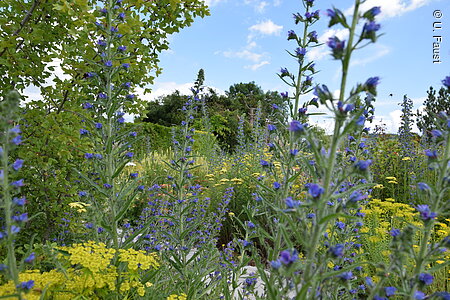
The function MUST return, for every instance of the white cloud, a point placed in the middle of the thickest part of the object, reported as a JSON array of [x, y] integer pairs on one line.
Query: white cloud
[[261, 7], [320, 52], [211, 3], [244, 54], [381, 50], [257, 65], [267, 28], [276, 2], [391, 8]]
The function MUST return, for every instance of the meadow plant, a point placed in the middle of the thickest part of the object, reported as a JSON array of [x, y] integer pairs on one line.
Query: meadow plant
[[414, 280], [12, 203], [312, 237]]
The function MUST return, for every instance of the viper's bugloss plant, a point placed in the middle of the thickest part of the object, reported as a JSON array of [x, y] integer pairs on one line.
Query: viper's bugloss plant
[[111, 192], [311, 236], [13, 216], [418, 275]]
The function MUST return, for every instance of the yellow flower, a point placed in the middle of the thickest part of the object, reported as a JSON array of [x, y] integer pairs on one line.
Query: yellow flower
[[391, 178], [406, 158], [231, 214], [378, 186], [393, 181]]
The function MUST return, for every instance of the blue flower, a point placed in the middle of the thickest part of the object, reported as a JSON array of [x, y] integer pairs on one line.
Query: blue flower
[[121, 16], [264, 163], [114, 29], [346, 276], [296, 126], [395, 232], [129, 96], [340, 225], [331, 13], [361, 120], [98, 125], [134, 175], [446, 81], [101, 43], [284, 72], [357, 196], [390, 291], [275, 264], [17, 140], [425, 212], [84, 131], [371, 27], [107, 186], [418, 295], [315, 190], [431, 154], [276, 185], [426, 278], [129, 154], [363, 165], [21, 218], [290, 203], [17, 164], [423, 186], [18, 183], [108, 63], [89, 155], [98, 156], [291, 35], [337, 251], [126, 85], [250, 225], [271, 127], [125, 65], [102, 96], [26, 285], [374, 11], [372, 81], [30, 258], [133, 134], [82, 193], [19, 201], [87, 105], [288, 257], [300, 52]]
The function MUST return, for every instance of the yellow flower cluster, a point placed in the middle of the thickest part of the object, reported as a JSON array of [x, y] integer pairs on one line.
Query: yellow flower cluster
[[90, 273], [183, 296]]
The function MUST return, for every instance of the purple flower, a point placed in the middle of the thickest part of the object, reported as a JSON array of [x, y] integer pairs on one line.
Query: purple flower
[[335, 43], [340, 225], [436, 133], [84, 131], [89, 155], [300, 52], [129, 154], [374, 11], [315, 190], [19, 201], [275, 264], [17, 140], [337, 250], [250, 225], [101, 43], [361, 120], [26, 285], [264, 163], [418, 295], [284, 72], [121, 16], [114, 29], [126, 85], [276, 185], [107, 186], [363, 165], [133, 134], [371, 27], [87, 105], [313, 37], [98, 125], [82, 193], [431, 154], [357, 196], [130, 96], [134, 175], [394, 232], [104, 11], [125, 65], [108, 63], [296, 126], [98, 156], [291, 35], [30, 258], [288, 257], [425, 212], [426, 278], [331, 13], [17, 164], [372, 81], [346, 276], [390, 291], [271, 127], [423, 186], [21, 218], [102, 96], [290, 203], [120, 120], [446, 81], [122, 48], [18, 183]]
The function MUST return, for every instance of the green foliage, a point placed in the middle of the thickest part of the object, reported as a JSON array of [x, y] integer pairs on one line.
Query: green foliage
[[434, 104], [52, 147]]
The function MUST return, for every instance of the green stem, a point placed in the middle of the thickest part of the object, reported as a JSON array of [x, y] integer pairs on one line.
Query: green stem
[[12, 263]]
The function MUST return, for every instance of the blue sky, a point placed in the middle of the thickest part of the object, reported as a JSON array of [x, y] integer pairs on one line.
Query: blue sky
[[245, 41]]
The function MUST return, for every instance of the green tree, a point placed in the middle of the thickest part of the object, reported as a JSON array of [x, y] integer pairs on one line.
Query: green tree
[[434, 104]]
